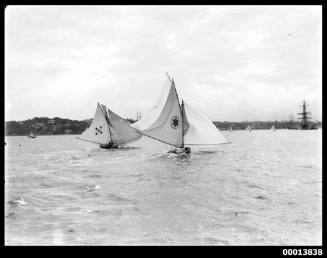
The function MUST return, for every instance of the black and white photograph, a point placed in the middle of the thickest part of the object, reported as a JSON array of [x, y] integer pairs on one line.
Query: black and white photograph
[[163, 125]]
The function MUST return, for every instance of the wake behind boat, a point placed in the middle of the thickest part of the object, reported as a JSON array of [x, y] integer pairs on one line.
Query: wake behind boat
[[176, 124], [109, 130]]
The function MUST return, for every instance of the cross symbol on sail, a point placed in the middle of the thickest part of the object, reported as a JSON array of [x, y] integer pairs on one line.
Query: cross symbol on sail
[[98, 130], [175, 122]]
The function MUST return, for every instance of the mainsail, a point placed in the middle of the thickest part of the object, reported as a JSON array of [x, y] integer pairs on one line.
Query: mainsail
[[149, 119], [176, 124], [164, 121], [98, 132]]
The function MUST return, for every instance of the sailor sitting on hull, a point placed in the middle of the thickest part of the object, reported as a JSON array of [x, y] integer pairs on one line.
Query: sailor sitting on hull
[[180, 150], [109, 145]]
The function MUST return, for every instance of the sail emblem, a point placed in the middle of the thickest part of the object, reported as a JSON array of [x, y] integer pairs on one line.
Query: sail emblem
[[98, 130], [174, 122]]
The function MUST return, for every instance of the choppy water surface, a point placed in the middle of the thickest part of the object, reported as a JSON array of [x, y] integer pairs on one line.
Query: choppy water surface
[[265, 188]]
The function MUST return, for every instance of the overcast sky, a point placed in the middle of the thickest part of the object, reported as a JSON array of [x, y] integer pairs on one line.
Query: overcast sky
[[232, 63]]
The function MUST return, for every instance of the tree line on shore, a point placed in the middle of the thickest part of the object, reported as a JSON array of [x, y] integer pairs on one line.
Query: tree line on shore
[[47, 126], [58, 126]]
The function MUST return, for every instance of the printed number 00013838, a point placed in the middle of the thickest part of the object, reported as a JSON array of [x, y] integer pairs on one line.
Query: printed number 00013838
[[303, 252]]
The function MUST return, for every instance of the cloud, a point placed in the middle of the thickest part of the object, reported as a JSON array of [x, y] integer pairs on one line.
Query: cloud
[[226, 60]]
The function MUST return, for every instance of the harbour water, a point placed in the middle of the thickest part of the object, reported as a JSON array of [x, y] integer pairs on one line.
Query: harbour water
[[264, 188]]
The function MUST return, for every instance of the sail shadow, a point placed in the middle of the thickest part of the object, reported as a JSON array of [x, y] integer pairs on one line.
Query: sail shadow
[[126, 148], [200, 153], [206, 152], [120, 148]]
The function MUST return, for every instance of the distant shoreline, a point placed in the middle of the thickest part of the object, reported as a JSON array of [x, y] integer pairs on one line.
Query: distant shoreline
[[62, 126]]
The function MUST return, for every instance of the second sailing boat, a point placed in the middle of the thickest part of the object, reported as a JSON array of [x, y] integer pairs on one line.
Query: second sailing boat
[[109, 130], [176, 124]]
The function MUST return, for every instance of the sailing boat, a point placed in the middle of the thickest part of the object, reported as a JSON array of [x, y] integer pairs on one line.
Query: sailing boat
[[31, 135], [230, 129], [249, 128], [176, 124], [109, 130], [273, 128]]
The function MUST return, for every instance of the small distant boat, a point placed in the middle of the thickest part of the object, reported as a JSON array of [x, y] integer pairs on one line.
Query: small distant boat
[[31, 135], [273, 128], [249, 128], [109, 130], [178, 125], [231, 129]]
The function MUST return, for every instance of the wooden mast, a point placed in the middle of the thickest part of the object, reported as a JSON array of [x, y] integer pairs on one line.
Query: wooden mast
[[304, 116], [106, 116]]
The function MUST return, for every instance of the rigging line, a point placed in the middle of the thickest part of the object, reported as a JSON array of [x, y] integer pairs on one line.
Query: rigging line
[[133, 140], [89, 141], [157, 139]]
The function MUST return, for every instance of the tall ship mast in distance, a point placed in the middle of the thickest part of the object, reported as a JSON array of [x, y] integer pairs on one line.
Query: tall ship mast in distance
[[292, 124], [305, 117]]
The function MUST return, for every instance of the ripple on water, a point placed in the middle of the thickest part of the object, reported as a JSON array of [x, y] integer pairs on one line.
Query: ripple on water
[[11, 215], [116, 198], [261, 197], [92, 187], [220, 196], [19, 201], [215, 241], [94, 176]]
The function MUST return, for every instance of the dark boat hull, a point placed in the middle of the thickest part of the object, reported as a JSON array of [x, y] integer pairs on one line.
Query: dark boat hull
[[109, 146]]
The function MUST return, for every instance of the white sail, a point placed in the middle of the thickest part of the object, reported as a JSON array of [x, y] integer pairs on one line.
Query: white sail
[[273, 128], [163, 121], [152, 115], [121, 130], [201, 131], [98, 132]]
